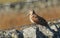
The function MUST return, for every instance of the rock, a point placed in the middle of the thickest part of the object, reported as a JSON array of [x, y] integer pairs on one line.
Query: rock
[[32, 31], [2, 34], [53, 27], [14, 35], [29, 32]]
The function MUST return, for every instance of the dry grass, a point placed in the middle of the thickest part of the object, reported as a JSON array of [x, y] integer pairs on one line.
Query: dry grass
[[11, 19], [50, 13]]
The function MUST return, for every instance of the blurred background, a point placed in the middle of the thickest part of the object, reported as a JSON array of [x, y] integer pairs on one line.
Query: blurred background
[[14, 12]]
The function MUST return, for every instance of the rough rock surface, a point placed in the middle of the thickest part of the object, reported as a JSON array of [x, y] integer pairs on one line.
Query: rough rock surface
[[33, 31]]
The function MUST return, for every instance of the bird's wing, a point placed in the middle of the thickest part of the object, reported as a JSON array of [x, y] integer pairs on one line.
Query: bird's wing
[[35, 18], [38, 19]]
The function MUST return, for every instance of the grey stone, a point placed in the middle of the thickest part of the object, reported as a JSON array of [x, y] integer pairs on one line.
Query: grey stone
[[29, 32]]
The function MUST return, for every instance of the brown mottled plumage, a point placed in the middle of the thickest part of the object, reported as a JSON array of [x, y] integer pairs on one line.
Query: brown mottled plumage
[[34, 18]]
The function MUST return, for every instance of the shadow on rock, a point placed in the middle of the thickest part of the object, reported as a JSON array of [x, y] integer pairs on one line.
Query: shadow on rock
[[57, 33], [20, 34], [39, 34]]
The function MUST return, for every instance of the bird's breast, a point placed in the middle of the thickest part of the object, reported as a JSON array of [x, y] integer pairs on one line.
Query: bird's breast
[[31, 19]]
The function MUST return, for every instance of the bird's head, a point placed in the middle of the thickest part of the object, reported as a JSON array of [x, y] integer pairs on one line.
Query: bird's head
[[31, 12]]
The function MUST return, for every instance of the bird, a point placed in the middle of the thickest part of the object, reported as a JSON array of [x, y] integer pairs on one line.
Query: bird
[[36, 19]]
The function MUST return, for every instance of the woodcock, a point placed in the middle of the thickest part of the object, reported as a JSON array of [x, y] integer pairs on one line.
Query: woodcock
[[34, 18]]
